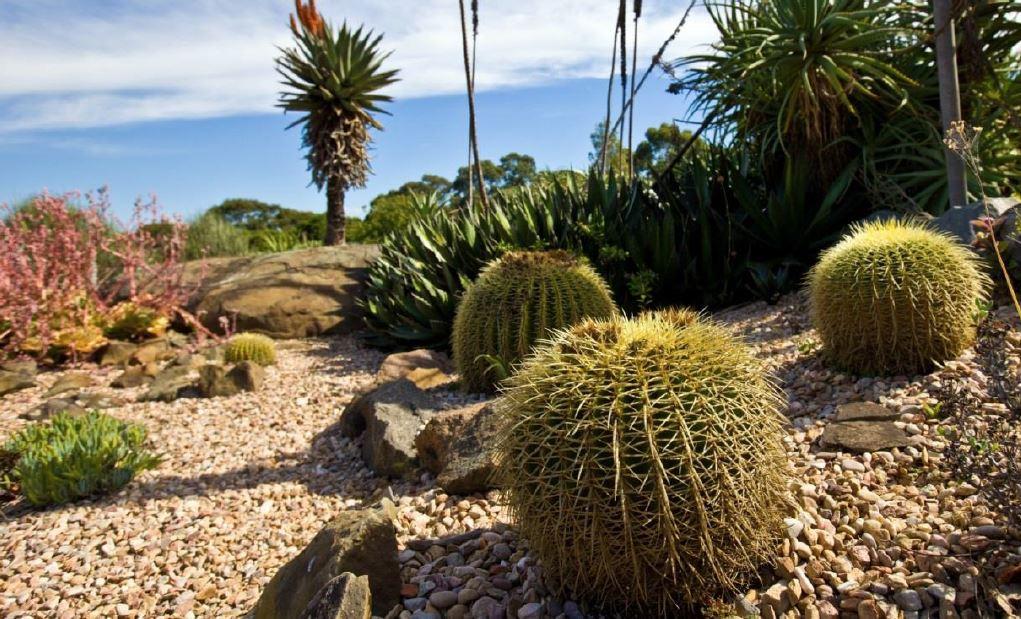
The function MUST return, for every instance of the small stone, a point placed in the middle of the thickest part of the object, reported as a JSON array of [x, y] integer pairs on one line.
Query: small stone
[[908, 599], [443, 599]]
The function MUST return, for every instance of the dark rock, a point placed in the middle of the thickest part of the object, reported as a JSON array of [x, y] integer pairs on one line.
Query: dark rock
[[345, 597], [389, 417], [117, 352], [362, 542], [864, 411], [169, 384], [14, 381], [134, 376], [399, 365], [72, 381], [50, 408], [957, 219], [458, 446], [302, 293], [217, 381], [863, 436]]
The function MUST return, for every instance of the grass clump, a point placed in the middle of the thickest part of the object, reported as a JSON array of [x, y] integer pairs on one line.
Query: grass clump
[[644, 461], [75, 456], [895, 298]]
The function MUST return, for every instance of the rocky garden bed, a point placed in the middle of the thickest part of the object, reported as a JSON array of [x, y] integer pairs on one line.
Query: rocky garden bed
[[397, 459]]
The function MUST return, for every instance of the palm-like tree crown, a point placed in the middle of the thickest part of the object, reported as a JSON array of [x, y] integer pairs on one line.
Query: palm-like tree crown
[[333, 78]]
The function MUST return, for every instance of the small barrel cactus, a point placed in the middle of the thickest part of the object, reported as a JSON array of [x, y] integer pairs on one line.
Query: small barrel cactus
[[895, 298], [516, 301], [250, 347], [644, 461]]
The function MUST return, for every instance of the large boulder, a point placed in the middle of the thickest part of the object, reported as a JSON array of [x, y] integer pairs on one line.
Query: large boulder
[[388, 418], [359, 542], [293, 294]]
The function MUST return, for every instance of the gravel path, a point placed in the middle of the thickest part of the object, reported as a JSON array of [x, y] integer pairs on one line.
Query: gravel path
[[246, 485]]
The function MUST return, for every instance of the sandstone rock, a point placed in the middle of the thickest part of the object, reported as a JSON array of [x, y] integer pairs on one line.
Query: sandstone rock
[[94, 400], [345, 597], [399, 365], [864, 411], [427, 378], [169, 384], [362, 542], [456, 445], [217, 381], [134, 376], [27, 367], [153, 351], [50, 408], [293, 294], [117, 353], [14, 381], [69, 382]]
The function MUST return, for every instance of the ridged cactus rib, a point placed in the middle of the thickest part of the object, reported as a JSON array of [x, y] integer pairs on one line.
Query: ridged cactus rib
[[250, 347], [643, 461], [515, 302], [895, 298]]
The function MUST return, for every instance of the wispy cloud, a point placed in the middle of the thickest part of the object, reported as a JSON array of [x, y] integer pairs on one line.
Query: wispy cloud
[[112, 62]]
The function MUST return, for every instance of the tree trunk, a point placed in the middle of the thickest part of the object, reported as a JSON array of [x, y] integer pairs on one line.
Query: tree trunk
[[335, 218]]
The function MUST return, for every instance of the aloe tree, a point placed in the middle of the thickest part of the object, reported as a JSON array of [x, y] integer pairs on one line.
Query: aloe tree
[[333, 77]]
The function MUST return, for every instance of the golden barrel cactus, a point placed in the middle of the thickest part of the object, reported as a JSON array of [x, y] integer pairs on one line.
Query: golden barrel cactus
[[250, 347], [644, 461], [895, 298], [516, 301]]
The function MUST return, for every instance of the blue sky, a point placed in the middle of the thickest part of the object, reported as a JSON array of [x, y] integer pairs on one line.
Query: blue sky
[[176, 97]]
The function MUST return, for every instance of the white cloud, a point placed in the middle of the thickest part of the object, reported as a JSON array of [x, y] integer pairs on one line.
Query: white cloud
[[113, 61]]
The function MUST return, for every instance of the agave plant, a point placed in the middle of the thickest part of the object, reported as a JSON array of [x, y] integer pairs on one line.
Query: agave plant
[[333, 78]]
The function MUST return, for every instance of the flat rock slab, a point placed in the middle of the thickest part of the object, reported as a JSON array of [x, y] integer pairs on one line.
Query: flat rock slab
[[14, 381], [864, 411], [863, 436]]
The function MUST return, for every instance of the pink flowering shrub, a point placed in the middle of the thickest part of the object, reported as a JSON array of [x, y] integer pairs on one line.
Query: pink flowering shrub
[[64, 267]]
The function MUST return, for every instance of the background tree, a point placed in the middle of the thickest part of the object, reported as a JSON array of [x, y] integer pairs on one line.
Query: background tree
[[333, 78], [617, 156], [518, 170], [659, 146], [394, 210]]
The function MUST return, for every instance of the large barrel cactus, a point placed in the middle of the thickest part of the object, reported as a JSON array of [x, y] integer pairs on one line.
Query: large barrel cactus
[[517, 300], [895, 298], [644, 461]]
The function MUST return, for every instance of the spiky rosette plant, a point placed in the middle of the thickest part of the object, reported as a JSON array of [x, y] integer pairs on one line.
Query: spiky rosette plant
[[516, 301], [895, 298], [677, 316], [333, 77], [250, 347], [644, 461]]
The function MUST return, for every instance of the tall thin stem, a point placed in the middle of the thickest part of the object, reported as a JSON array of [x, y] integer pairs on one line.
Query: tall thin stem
[[622, 19], [472, 133], [609, 98], [634, 69]]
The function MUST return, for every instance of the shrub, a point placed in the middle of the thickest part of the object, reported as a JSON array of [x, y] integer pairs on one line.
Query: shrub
[[63, 266], [516, 301], [644, 462], [131, 321], [76, 456], [251, 347], [894, 298], [211, 236]]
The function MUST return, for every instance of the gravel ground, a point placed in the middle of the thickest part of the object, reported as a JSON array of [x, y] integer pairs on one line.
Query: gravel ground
[[246, 485]]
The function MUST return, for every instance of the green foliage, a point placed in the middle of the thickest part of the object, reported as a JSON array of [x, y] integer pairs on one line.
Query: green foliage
[[514, 170], [76, 456], [644, 462], [516, 301], [895, 298], [250, 347], [391, 212], [256, 216], [275, 241], [130, 321], [852, 85], [210, 236]]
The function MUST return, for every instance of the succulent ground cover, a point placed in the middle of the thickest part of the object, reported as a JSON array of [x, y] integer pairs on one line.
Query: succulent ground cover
[[249, 480]]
